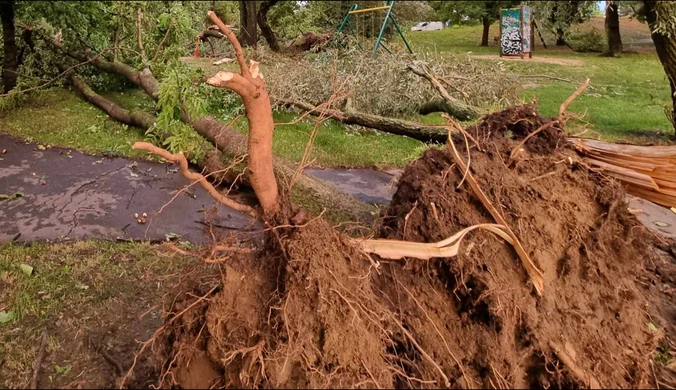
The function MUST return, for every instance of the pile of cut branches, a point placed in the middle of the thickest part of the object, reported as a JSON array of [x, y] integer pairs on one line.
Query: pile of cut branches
[[384, 86]]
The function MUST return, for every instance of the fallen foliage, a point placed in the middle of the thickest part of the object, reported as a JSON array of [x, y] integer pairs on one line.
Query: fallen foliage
[[383, 86]]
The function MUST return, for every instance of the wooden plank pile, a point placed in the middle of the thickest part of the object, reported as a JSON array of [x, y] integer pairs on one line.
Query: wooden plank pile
[[648, 172]]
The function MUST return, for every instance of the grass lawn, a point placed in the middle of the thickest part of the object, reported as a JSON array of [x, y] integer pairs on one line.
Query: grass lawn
[[627, 95], [80, 293]]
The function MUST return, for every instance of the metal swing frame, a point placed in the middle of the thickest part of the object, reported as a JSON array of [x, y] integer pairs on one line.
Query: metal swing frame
[[389, 5]]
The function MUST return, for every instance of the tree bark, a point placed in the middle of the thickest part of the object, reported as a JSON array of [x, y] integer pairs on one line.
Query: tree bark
[[453, 106], [487, 27], [136, 118], [438, 105], [143, 79], [612, 24], [266, 30], [389, 125], [560, 37], [248, 30], [665, 47], [10, 60]]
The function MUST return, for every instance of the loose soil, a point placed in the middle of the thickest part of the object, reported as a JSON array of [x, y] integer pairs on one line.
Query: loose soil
[[311, 310]]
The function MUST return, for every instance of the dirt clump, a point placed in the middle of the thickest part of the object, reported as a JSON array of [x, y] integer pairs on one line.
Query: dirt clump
[[312, 310]]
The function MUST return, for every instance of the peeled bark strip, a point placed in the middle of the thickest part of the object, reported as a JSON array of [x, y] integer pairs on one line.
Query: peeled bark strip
[[648, 172], [389, 125]]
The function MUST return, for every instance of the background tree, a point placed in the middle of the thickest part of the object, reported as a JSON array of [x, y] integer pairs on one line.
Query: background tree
[[487, 12], [248, 25], [266, 30], [10, 59], [661, 16], [612, 25], [560, 16]]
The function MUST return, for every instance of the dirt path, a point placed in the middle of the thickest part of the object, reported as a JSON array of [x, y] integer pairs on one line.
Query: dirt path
[[368, 185], [536, 58], [71, 195]]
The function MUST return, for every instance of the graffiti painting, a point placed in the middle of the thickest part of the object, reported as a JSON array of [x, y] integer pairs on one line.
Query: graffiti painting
[[510, 20]]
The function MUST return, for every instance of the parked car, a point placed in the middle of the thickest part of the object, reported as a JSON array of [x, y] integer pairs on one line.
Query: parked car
[[428, 26]]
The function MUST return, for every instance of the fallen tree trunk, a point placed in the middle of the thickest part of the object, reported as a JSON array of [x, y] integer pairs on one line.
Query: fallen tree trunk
[[389, 125], [454, 107], [438, 105], [136, 118]]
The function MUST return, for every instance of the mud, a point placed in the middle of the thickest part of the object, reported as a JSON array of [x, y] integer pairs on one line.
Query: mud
[[311, 310]]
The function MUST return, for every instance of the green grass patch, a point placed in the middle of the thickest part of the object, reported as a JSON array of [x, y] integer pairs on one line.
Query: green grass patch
[[338, 146], [627, 95], [83, 272], [73, 290], [60, 118]]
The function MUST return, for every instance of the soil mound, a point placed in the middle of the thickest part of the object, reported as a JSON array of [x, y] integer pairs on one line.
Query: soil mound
[[313, 311]]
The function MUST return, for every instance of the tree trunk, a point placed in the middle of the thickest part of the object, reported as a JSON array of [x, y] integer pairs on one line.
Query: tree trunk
[[136, 118], [612, 25], [441, 105], [665, 46], [27, 37], [560, 37], [248, 30], [487, 27], [10, 60], [388, 125], [266, 30]]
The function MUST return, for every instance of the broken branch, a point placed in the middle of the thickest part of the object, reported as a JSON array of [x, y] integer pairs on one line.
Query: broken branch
[[140, 37], [578, 92], [188, 174], [166, 34]]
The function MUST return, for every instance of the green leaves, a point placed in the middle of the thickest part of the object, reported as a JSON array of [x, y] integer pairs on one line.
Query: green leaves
[[62, 370], [26, 269], [7, 316]]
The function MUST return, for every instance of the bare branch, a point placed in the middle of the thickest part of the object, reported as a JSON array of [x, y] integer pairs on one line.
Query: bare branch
[[166, 34], [188, 174], [233, 40], [144, 58]]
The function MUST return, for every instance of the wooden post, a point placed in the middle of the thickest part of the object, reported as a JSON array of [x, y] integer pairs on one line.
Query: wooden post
[[500, 32], [521, 17]]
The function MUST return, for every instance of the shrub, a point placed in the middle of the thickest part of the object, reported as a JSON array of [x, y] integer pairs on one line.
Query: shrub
[[587, 42]]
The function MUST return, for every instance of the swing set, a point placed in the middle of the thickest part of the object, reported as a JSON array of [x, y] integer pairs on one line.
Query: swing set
[[389, 5]]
